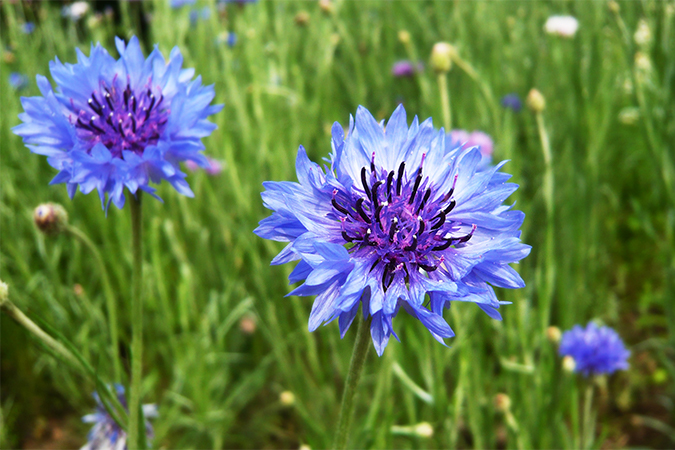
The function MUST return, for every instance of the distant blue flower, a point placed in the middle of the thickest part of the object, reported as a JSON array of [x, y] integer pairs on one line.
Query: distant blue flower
[[231, 39], [18, 81], [406, 69], [179, 3], [512, 101], [121, 123], [28, 27], [464, 139], [595, 350], [106, 434], [199, 14], [393, 218]]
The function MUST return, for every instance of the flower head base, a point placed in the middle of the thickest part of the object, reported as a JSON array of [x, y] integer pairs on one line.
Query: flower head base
[[106, 433], [119, 123], [595, 350], [394, 218]]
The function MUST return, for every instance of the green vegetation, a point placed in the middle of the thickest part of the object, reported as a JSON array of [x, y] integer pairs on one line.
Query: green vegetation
[[221, 343]]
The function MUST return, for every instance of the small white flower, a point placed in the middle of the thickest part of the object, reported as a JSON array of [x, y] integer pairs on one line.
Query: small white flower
[[76, 10], [565, 26]]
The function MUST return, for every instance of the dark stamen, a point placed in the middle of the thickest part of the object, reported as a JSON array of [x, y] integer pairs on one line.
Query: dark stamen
[[418, 180], [109, 120], [83, 125], [427, 194], [375, 187], [407, 274], [392, 228], [390, 178], [133, 122], [399, 180], [413, 244], [108, 100], [421, 228], [133, 104], [468, 236], [95, 107], [441, 217], [93, 125], [346, 237], [387, 274], [359, 209], [121, 129], [443, 246], [372, 163], [427, 268], [127, 92], [365, 182], [377, 216], [339, 207], [450, 207]]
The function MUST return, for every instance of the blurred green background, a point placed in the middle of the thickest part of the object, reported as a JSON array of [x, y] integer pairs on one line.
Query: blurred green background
[[221, 342]]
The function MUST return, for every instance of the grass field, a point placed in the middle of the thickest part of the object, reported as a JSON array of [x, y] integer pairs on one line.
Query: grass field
[[221, 341]]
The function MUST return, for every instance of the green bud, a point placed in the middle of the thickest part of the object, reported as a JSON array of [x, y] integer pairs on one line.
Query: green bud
[[441, 57]]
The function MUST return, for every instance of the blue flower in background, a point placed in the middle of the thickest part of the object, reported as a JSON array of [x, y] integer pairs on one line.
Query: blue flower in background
[[199, 14], [106, 434], [512, 101], [595, 350], [28, 27], [18, 81], [120, 123], [231, 39], [406, 69], [395, 217], [179, 3]]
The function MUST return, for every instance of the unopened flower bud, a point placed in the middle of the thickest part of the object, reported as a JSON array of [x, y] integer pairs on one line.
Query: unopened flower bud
[[441, 57], [326, 6], [502, 402], [642, 62], [553, 334], [8, 57], [248, 325], [50, 218], [4, 292], [287, 398], [568, 364], [404, 37], [629, 115], [535, 101], [78, 289], [424, 429], [301, 18], [613, 6], [304, 447], [643, 34]]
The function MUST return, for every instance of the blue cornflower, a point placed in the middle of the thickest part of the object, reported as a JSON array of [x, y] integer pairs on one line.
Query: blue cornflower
[[115, 123], [28, 27], [395, 217], [512, 101], [179, 3], [106, 433], [18, 81], [595, 350]]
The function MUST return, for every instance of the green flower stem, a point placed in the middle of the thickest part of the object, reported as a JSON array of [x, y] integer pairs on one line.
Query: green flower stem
[[588, 424], [361, 347], [445, 100], [111, 303], [548, 186], [19, 317], [136, 322]]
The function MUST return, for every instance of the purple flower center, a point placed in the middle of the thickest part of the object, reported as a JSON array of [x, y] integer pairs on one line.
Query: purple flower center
[[123, 119], [400, 219]]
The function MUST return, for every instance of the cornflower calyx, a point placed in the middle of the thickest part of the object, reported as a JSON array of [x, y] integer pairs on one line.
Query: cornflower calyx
[[401, 217], [121, 119]]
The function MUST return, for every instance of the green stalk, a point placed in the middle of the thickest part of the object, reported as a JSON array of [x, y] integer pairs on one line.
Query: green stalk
[[136, 322], [588, 424], [548, 187], [111, 303], [445, 100], [361, 347]]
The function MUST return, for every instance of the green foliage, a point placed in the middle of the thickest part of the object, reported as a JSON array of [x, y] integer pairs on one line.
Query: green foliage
[[612, 258]]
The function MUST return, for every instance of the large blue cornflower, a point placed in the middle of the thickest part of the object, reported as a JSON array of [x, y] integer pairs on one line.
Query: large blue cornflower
[[115, 123], [106, 434], [395, 217], [595, 350]]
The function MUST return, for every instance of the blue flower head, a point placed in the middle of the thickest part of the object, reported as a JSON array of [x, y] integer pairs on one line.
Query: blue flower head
[[18, 81], [395, 218], [595, 350], [106, 433], [112, 124], [512, 101]]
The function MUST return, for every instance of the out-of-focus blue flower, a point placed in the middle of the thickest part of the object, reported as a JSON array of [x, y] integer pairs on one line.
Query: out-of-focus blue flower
[[229, 38], [106, 433], [406, 69], [395, 217], [595, 350], [179, 3], [18, 81], [120, 123], [28, 27], [240, 2], [199, 14], [464, 139], [512, 101]]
